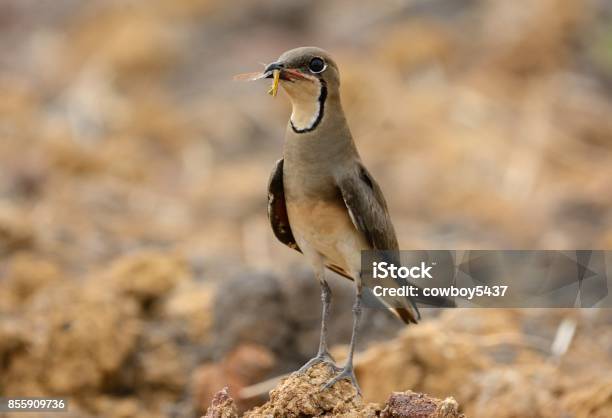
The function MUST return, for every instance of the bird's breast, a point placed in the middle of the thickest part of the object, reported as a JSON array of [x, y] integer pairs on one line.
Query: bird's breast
[[325, 227]]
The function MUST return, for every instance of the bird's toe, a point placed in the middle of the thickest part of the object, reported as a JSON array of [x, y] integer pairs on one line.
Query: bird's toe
[[345, 373], [324, 358]]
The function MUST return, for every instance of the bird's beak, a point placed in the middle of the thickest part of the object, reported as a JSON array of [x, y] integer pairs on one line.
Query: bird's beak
[[269, 70], [273, 71], [286, 74]]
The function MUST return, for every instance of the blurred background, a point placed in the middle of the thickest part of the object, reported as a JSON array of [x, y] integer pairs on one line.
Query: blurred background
[[138, 272]]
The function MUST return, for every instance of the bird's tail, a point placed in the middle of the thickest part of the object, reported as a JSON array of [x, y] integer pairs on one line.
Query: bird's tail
[[408, 315], [411, 315], [405, 308]]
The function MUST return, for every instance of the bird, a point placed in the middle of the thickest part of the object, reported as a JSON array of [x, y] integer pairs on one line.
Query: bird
[[322, 201]]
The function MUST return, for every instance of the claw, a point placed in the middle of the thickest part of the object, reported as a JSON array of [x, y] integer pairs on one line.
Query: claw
[[346, 373], [324, 358]]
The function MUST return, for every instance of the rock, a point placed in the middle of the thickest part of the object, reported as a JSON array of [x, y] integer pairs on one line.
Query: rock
[[222, 406], [243, 366], [81, 337], [13, 338], [519, 391], [251, 362], [206, 380], [147, 276], [417, 405], [425, 358], [26, 275], [300, 395], [190, 307], [15, 232], [162, 362], [250, 308]]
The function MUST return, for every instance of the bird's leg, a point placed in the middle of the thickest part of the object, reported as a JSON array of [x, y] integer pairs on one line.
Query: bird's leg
[[347, 371], [323, 355]]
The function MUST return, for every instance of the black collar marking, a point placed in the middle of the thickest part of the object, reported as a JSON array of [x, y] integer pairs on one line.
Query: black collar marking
[[322, 97]]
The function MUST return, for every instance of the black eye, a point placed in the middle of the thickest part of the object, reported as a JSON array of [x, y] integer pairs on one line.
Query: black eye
[[316, 65]]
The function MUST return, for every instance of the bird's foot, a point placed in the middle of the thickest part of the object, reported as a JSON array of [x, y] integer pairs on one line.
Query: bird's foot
[[324, 358], [346, 373]]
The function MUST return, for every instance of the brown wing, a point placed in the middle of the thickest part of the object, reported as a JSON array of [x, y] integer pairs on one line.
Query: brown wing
[[277, 209], [368, 210]]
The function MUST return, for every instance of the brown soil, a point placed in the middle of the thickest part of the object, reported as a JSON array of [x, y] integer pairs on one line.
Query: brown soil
[[300, 395]]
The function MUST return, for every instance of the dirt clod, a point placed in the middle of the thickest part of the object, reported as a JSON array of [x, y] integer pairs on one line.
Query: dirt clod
[[222, 406], [300, 395], [417, 405]]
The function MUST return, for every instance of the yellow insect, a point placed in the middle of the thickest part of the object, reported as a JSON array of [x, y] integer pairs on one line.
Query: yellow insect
[[275, 79], [289, 74]]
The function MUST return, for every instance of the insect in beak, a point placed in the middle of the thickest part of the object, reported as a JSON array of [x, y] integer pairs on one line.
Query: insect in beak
[[275, 79], [276, 72], [257, 76]]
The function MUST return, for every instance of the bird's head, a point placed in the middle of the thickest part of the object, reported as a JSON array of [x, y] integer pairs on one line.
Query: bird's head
[[309, 76], [304, 70]]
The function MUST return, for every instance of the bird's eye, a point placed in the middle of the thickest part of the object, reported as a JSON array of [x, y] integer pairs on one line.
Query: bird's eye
[[316, 65]]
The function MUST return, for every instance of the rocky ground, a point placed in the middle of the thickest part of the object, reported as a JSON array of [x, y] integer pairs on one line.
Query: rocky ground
[[500, 364], [138, 274], [155, 345], [301, 395]]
